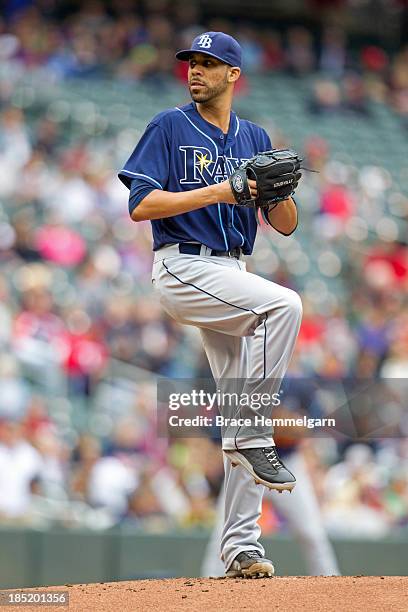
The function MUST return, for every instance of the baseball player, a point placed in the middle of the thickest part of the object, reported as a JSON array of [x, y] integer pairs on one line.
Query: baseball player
[[197, 176]]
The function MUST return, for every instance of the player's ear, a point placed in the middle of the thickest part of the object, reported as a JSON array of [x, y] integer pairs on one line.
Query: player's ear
[[233, 74]]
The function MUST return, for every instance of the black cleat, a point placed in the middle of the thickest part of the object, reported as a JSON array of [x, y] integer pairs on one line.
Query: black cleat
[[250, 564], [265, 466]]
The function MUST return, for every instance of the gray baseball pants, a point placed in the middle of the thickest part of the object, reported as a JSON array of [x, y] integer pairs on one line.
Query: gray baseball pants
[[249, 327]]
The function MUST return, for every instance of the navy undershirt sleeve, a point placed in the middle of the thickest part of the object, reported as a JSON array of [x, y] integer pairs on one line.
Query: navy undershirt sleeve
[[139, 189]]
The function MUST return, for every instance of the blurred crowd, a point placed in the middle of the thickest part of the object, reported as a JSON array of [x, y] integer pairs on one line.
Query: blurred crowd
[[126, 478], [136, 43], [131, 478], [75, 290]]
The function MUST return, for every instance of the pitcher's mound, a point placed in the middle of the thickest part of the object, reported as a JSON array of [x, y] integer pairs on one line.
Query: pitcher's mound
[[325, 594]]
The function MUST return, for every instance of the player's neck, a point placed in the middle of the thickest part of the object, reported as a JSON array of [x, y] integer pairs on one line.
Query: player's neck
[[217, 112]]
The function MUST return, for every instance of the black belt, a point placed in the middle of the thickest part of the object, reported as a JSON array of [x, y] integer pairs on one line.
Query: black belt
[[195, 249]]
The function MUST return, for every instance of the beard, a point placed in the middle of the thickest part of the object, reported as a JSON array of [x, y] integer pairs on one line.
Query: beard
[[206, 94]]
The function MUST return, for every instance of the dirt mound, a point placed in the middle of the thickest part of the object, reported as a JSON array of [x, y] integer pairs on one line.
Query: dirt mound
[[325, 594]]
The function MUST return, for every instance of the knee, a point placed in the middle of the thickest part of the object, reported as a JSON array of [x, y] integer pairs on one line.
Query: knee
[[294, 304]]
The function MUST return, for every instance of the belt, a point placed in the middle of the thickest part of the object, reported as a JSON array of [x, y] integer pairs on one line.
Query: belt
[[189, 248]]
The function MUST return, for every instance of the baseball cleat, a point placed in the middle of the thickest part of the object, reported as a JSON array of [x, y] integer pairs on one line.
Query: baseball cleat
[[250, 564], [265, 465]]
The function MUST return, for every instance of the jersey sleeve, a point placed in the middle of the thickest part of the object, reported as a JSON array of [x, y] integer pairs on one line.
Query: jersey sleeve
[[150, 160]]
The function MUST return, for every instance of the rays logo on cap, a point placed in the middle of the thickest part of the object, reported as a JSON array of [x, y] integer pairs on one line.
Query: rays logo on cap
[[205, 41]]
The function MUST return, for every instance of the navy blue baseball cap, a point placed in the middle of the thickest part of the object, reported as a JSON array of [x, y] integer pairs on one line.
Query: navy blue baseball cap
[[217, 44]]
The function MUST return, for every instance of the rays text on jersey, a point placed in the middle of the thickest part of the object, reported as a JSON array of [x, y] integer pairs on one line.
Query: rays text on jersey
[[200, 167]]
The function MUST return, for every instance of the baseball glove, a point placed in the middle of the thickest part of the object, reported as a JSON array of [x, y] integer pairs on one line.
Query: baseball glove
[[276, 173]]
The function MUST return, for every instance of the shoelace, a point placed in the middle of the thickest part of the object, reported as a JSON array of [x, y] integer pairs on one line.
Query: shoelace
[[254, 554], [272, 457]]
